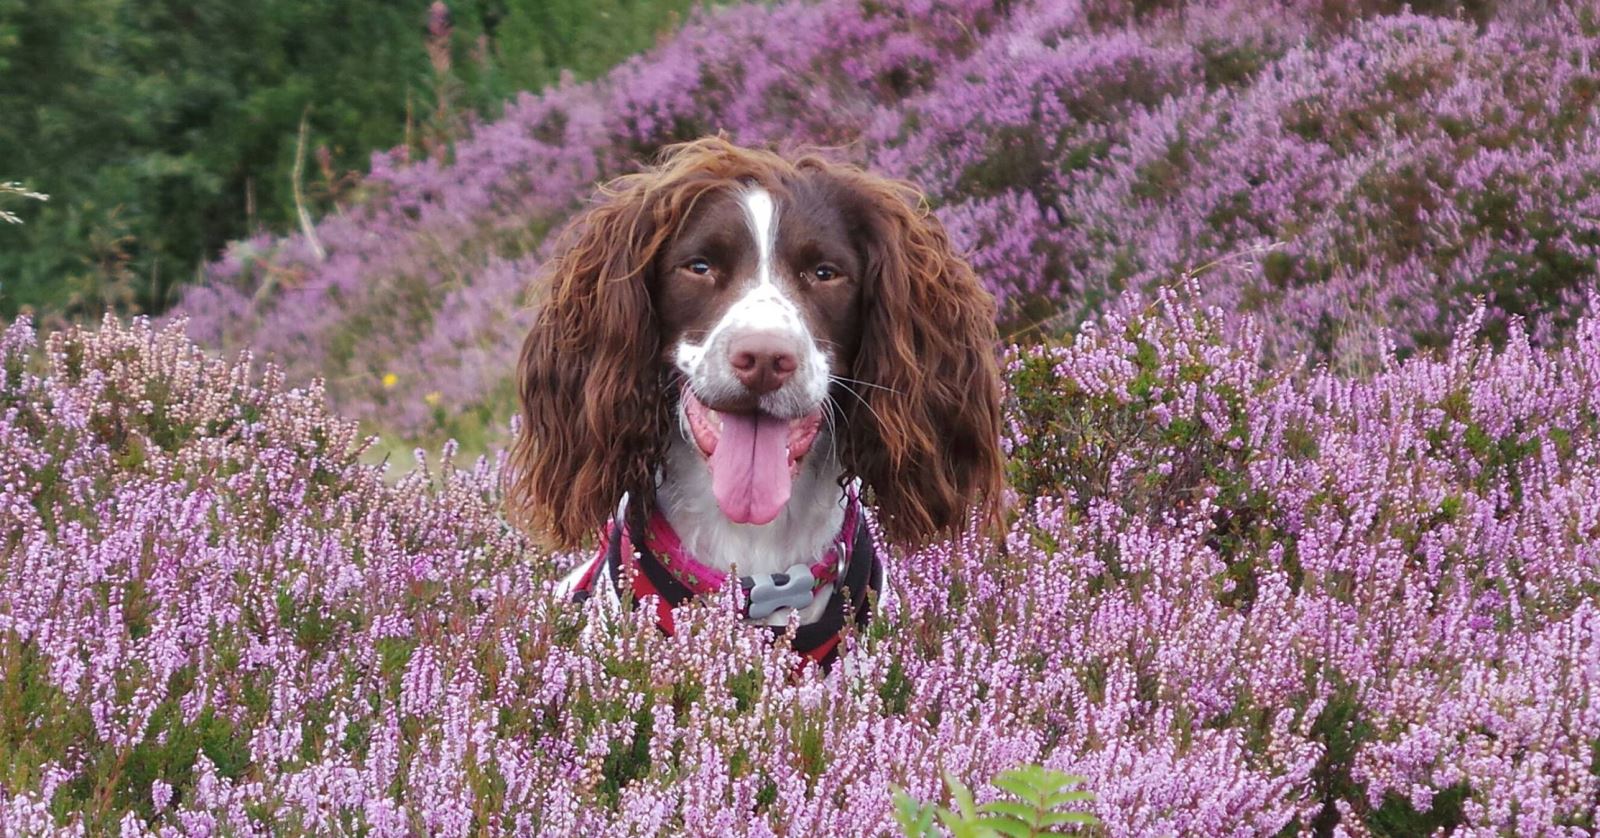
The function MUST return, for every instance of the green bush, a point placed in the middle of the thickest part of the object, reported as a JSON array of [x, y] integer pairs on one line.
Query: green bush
[[164, 129]]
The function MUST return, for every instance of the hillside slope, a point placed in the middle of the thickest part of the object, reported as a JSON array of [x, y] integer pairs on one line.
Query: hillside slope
[[1348, 181]]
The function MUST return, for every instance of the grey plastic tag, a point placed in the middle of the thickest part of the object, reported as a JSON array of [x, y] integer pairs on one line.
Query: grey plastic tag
[[767, 592]]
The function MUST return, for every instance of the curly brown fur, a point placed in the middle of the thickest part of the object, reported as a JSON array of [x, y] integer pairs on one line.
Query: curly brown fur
[[925, 434], [596, 400]]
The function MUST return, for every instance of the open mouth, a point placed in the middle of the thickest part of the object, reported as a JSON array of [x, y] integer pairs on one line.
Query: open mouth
[[753, 456]]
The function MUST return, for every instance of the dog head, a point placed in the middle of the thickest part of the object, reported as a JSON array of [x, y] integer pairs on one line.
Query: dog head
[[760, 307]]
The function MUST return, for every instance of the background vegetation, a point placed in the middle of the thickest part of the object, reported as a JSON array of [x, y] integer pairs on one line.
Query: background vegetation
[[1303, 424], [164, 129]]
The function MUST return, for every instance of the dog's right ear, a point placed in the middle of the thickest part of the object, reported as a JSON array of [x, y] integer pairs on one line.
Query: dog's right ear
[[593, 414]]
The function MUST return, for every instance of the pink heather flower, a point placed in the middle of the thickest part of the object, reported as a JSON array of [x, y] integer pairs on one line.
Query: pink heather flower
[[160, 794]]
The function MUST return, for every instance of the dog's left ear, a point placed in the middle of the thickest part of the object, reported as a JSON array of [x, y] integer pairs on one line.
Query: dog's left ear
[[925, 434]]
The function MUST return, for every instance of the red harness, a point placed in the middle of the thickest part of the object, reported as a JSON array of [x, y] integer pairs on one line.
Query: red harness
[[660, 566]]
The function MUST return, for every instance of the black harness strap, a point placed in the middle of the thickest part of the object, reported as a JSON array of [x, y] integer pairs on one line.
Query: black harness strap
[[863, 576]]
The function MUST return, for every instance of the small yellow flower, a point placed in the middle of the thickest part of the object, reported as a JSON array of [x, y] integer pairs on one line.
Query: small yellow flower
[[389, 380], [433, 398]]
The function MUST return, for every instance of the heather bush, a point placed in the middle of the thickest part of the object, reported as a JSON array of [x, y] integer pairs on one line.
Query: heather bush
[[1303, 423], [1351, 173], [1236, 600]]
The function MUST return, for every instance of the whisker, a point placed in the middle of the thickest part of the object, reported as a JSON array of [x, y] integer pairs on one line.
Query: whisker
[[676, 379], [836, 418], [864, 402], [842, 379]]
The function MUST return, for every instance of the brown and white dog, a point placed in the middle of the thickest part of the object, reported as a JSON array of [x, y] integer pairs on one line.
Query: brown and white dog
[[734, 340]]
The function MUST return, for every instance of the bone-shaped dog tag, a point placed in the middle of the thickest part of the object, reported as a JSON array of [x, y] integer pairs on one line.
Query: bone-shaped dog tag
[[767, 592]]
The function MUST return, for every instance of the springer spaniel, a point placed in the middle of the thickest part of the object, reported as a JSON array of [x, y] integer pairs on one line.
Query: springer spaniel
[[732, 345]]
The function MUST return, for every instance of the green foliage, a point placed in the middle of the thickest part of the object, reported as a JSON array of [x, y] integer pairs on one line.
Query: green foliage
[[164, 129], [1341, 730], [1070, 437], [626, 762], [529, 43], [158, 125], [1045, 801], [1398, 817]]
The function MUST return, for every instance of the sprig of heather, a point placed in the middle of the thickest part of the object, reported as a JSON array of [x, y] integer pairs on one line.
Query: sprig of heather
[[1238, 601]]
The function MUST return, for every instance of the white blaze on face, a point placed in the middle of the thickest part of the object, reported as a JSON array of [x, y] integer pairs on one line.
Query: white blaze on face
[[764, 307], [762, 215], [753, 456]]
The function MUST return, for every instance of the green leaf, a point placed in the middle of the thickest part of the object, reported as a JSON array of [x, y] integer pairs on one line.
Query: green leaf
[[1021, 811], [1049, 778], [962, 827], [961, 795], [914, 817], [1061, 778], [1044, 792], [1019, 786], [1005, 826], [1055, 801], [1059, 818]]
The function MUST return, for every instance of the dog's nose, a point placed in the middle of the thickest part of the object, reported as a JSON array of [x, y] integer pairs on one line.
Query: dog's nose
[[762, 361]]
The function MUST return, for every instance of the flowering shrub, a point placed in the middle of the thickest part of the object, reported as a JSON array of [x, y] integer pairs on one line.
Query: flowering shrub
[[1237, 600], [1240, 592], [1377, 170]]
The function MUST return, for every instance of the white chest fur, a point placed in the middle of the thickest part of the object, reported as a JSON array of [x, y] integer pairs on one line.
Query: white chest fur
[[800, 534]]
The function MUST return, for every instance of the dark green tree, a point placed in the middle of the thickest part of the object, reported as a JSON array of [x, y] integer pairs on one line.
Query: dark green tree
[[162, 129]]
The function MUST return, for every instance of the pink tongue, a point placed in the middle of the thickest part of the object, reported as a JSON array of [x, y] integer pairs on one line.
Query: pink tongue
[[750, 468]]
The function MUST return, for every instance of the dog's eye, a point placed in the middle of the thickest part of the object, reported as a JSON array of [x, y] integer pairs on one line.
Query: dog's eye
[[697, 266], [825, 272]]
